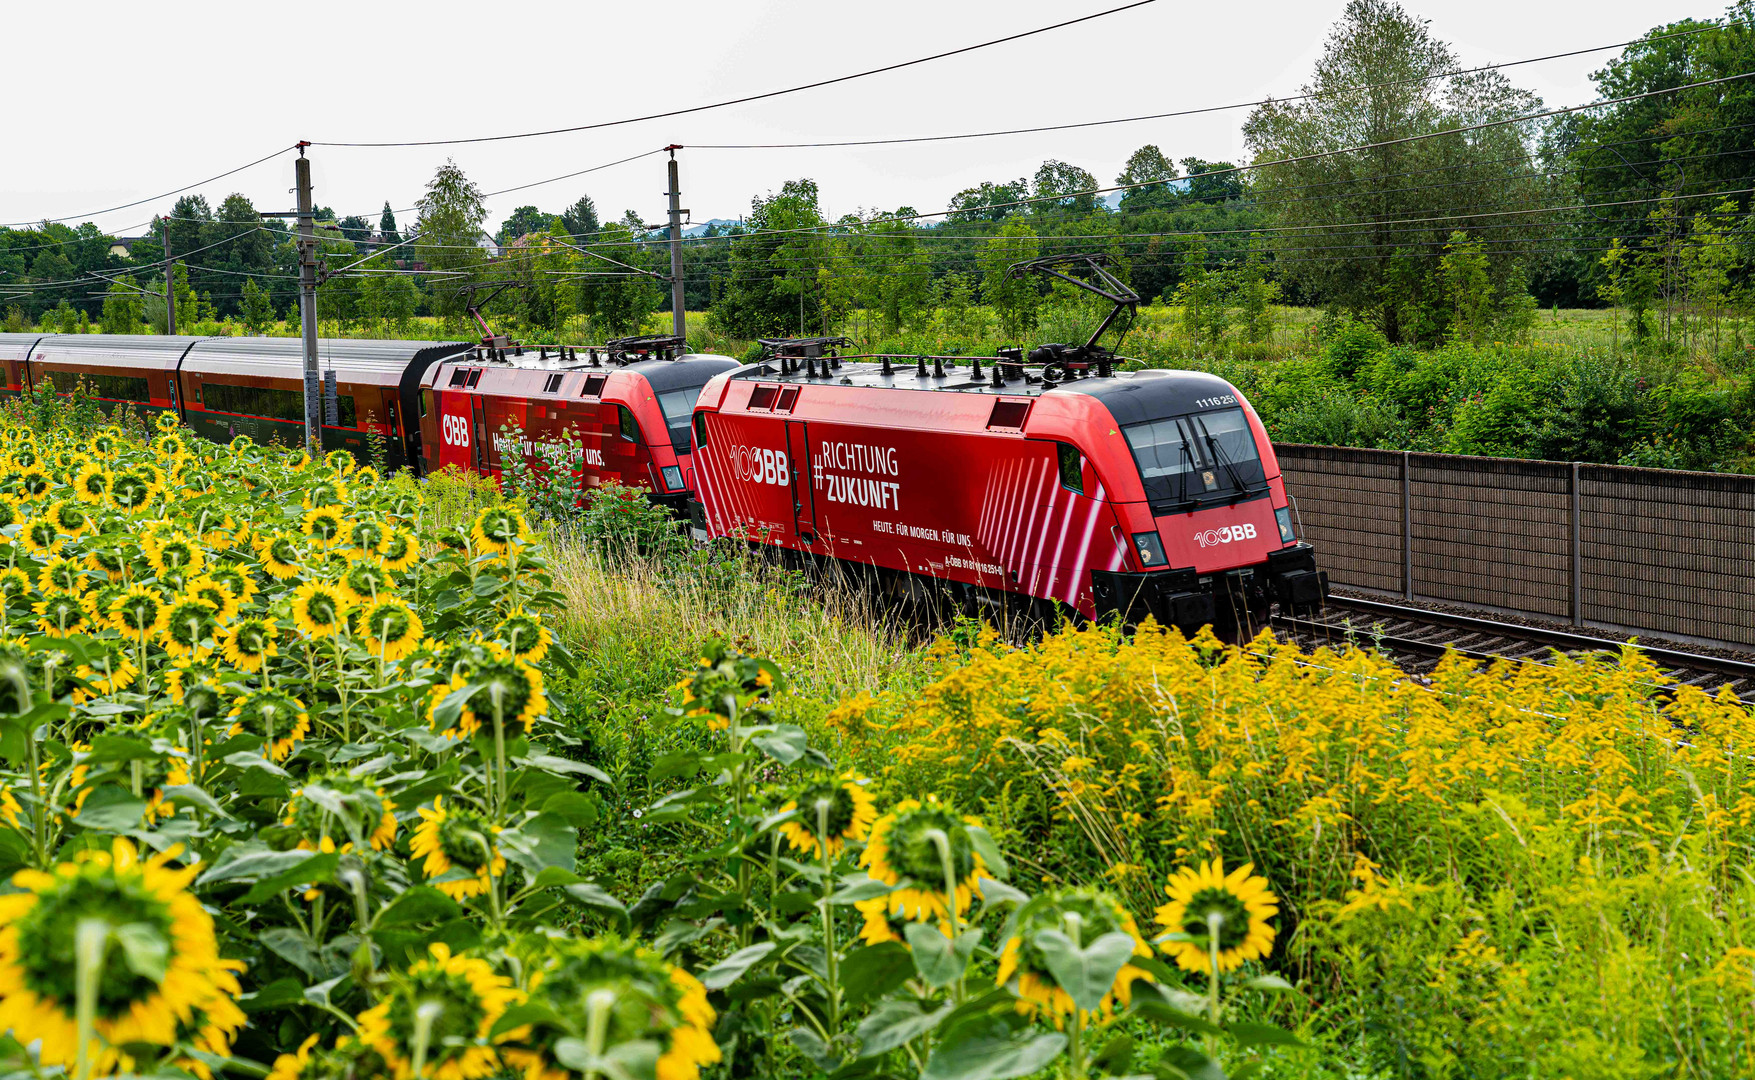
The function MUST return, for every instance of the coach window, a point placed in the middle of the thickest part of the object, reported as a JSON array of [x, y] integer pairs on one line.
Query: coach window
[[1072, 467], [630, 430]]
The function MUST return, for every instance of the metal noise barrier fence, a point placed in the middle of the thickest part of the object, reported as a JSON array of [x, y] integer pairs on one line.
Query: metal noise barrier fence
[[1639, 551]]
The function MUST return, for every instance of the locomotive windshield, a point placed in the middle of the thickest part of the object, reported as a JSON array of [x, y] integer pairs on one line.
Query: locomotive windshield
[[1186, 461], [677, 405]]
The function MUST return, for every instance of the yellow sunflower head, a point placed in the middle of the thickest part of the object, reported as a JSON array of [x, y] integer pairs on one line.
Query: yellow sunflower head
[[368, 816], [70, 516], [251, 642], [524, 636], [63, 613], [165, 422], [1079, 916], [400, 549], [225, 604], [92, 484], [365, 582], [908, 849], [279, 718], [325, 524], [63, 574], [281, 554], [459, 850], [326, 493], [191, 625], [390, 628], [139, 611], [498, 527], [173, 555], [831, 812], [319, 609], [40, 537], [132, 490], [469, 999], [152, 943], [15, 587], [1214, 913], [340, 462]]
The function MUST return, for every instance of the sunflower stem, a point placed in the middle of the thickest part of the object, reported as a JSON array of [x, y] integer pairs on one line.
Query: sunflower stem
[[1215, 920], [597, 1006], [425, 1016], [91, 940], [496, 695], [831, 960], [943, 843]]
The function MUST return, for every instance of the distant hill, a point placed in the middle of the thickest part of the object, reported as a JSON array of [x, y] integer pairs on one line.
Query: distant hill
[[700, 227]]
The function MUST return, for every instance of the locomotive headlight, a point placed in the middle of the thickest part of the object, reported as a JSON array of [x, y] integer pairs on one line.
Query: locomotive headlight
[[673, 478], [1149, 548], [1284, 516]]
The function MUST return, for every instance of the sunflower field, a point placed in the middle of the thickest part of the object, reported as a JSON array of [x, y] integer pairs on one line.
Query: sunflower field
[[291, 785]]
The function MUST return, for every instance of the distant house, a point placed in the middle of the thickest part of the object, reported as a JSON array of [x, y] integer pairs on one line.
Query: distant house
[[121, 246]]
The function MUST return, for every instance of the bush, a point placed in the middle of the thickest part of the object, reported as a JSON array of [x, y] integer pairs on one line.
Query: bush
[[1351, 345]]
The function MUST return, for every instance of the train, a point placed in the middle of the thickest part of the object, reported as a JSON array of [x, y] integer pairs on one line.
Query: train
[[1059, 481]]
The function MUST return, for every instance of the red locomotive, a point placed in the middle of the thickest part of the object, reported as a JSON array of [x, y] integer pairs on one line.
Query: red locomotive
[[1107, 492], [626, 406]]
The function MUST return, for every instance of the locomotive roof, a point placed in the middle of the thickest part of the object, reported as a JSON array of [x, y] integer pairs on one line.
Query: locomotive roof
[[353, 360], [689, 369], [1130, 396]]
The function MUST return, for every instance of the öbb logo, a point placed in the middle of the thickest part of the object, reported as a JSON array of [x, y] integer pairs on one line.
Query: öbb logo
[[1225, 534], [760, 465], [456, 430]]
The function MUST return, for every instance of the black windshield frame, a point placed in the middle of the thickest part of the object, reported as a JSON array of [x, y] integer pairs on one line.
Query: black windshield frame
[[1197, 459]]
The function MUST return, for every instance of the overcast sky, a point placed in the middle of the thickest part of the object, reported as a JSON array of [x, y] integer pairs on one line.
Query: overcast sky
[[113, 102]]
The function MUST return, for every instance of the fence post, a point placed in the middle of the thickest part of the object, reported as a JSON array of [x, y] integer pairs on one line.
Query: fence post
[[1577, 551], [1407, 529]]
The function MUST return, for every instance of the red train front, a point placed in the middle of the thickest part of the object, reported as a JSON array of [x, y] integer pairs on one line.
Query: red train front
[[1132, 493], [630, 417]]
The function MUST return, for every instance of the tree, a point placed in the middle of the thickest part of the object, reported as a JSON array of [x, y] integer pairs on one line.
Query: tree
[[387, 225], [449, 227], [1063, 187], [355, 228], [989, 201], [774, 286], [616, 302], [257, 308], [244, 248], [1149, 168], [1013, 299], [524, 221], [1255, 295], [580, 219], [1383, 77], [1466, 283], [387, 298], [1212, 181], [122, 307]]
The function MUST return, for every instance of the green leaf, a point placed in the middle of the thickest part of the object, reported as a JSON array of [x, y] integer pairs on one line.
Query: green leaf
[[555, 875], [317, 869], [1253, 1034], [580, 810], [1116, 1055], [110, 808], [530, 1012], [418, 904], [989, 852], [550, 763], [732, 968], [1159, 1010], [242, 862], [446, 712], [673, 765], [939, 960], [871, 972], [143, 949], [989, 1049], [857, 888], [190, 795], [811, 1045], [596, 897], [296, 948], [120, 748], [1086, 974], [543, 841], [786, 743], [1272, 984], [1185, 1063], [274, 995], [895, 1023], [998, 892]]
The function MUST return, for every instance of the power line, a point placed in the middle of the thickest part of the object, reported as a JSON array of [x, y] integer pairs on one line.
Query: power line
[[754, 97]]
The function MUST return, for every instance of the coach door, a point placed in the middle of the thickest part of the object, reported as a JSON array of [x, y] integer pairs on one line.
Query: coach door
[[804, 511]]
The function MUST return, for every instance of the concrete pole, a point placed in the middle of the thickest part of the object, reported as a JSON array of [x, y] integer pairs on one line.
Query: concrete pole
[[308, 304], [677, 309]]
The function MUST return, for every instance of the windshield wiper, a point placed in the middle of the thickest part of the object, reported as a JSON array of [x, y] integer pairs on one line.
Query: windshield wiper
[[1237, 485]]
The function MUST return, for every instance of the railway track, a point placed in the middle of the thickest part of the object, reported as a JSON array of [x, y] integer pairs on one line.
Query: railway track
[[1419, 638]]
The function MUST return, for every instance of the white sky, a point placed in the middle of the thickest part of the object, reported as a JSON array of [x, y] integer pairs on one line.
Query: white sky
[[117, 101]]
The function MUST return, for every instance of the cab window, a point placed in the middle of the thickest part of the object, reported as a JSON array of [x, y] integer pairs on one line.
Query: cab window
[[630, 429], [1072, 467]]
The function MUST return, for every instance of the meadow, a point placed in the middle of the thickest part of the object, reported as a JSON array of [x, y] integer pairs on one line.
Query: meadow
[[313, 773]]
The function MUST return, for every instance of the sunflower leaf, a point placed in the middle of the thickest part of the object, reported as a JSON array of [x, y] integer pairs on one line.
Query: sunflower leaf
[[730, 969], [418, 904], [446, 712], [858, 887], [989, 1049], [316, 870], [144, 949], [989, 851], [1272, 984], [1184, 1063], [1087, 973], [869, 974], [1253, 1034], [895, 1023], [785, 744], [596, 897], [544, 841], [939, 960]]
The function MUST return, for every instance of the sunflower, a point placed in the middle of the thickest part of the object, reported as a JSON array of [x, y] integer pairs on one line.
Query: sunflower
[[138, 1001], [69, 516], [400, 549], [190, 625], [325, 493], [390, 628], [369, 814], [279, 718], [9, 808], [848, 807], [172, 555], [280, 554], [324, 524], [92, 484], [884, 921], [131, 491], [630, 995], [471, 1000], [516, 685], [40, 537], [225, 605], [903, 852], [113, 672], [497, 527], [364, 582], [8, 513], [63, 613], [239, 583], [366, 537], [524, 635], [34, 482], [170, 447], [165, 422], [241, 443], [152, 474], [109, 558], [451, 842], [341, 461], [62, 574], [15, 587], [249, 644], [366, 476], [104, 443], [1084, 915], [196, 685], [320, 609], [1205, 901], [139, 612], [297, 1065]]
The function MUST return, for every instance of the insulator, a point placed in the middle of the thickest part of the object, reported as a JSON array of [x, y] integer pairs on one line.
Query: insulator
[[517, 350], [921, 371], [998, 379], [976, 364], [938, 367], [887, 369], [544, 355], [810, 363]]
